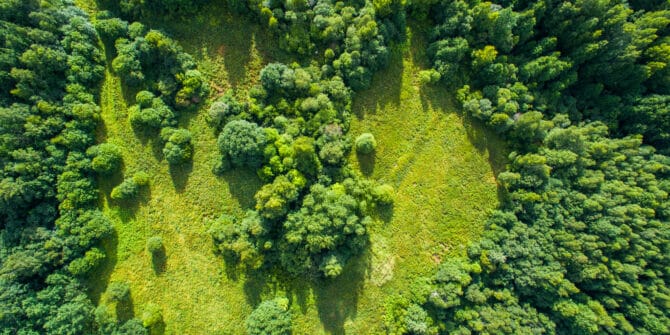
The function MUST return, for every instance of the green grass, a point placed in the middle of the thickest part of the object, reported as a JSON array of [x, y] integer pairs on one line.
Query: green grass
[[438, 162]]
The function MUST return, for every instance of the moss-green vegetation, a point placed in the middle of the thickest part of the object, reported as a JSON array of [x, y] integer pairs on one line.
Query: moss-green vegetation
[[189, 283]]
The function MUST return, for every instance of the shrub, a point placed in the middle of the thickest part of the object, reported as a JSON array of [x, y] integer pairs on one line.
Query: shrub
[[141, 178], [270, 318], [118, 292], [243, 143], [154, 244], [365, 144], [107, 158], [151, 316], [178, 148], [128, 189], [383, 194]]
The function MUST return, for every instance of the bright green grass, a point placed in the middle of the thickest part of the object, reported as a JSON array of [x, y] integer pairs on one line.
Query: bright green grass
[[441, 168], [444, 184]]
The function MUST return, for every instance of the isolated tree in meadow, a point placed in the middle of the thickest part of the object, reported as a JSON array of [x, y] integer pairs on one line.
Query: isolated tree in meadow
[[365, 144]]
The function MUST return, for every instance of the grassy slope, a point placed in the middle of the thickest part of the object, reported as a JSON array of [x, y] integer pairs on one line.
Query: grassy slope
[[444, 182], [188, 284], [441, 168]]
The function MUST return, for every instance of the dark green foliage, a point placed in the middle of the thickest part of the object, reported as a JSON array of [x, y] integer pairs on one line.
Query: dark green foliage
[[106, 158], [50, 66], [327, 230], [365, 144], [118, 292], [110, 29], [271, 317], [178, 148], [242, 142], [131, 327]]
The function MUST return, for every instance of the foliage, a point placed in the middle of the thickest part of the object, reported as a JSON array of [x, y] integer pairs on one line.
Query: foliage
[[271, 317], [154, 244], [106, 158], [128, 189], [242, 142], [365, 144], [178, 148], [118, 292]]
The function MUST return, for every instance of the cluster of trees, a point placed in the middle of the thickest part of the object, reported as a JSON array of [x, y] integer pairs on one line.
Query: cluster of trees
[[580, 247], [50, 66], [580, 244], [604, 61], [165, 76], [313, 213], [349, 38]]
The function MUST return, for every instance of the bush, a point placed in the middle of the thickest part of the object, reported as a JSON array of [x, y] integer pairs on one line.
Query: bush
[[118, 292], [365, 144], [154, 244], [270, 318], [141, 178], [383, 194], [178, 148], [243, 143], [107, 158], [152, 316], [128, 189]]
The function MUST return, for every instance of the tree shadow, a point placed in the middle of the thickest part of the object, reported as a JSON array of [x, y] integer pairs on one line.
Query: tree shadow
[[159, 261], [180, 174], [257, 284], [98, 279], [243, 185], [124, 310], [337, 299], [126, 209], [366, 163], [158, 328], [385, 87], [385, 212]]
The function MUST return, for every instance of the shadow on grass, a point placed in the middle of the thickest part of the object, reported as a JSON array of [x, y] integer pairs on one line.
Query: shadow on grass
[[243, 183], [159, 261], [385, 88], [124, 310], [179, 175], [157, 328], [385, 212], [98, 279], [336, 299], [366, 163]]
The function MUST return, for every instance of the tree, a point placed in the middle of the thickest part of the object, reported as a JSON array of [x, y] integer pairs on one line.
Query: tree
[[118, 292], [271, 317], [242, 142], [365, 144], [178, 148], [106, 158], [154, 244]]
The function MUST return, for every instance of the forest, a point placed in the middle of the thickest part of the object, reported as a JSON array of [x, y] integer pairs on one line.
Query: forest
[[334, 167]]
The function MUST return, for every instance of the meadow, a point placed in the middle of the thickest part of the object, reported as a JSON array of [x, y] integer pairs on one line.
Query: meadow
[[441, 164]]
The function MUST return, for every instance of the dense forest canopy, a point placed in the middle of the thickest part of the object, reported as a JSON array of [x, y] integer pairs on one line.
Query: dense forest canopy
[[578, 89]]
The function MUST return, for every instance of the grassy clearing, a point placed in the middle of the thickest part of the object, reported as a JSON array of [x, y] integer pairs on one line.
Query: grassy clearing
[[189, 282], [438, 162], [442, 167]]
